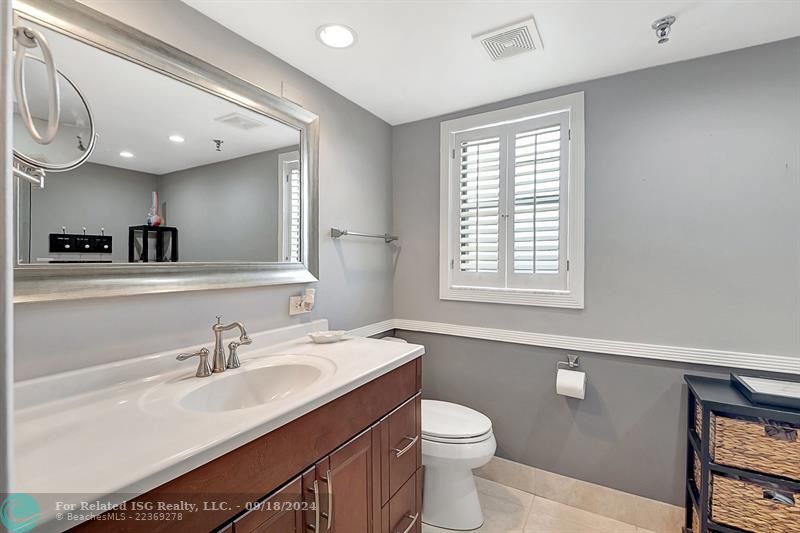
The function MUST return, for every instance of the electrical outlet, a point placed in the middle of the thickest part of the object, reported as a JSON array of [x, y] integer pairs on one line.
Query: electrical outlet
[[296, 305]]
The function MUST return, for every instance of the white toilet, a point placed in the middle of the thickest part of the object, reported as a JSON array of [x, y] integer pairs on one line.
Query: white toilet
[[455, 439]]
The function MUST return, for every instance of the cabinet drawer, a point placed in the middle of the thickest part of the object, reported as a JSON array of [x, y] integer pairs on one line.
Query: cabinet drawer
[[401, 446], [279, 513], [403, 512], [765, 446]]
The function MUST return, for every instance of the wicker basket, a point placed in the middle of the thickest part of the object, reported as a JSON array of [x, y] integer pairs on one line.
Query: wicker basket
[[697, 471], [753, 445], [747, 505], [695, 520]]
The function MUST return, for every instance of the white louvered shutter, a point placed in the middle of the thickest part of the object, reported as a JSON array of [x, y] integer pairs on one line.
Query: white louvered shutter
[[479, 166], [538, 178], [292, 211], [295, 212]]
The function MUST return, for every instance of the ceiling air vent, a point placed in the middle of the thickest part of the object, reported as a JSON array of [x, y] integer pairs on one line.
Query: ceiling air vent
[[511, 40], [239, 121]]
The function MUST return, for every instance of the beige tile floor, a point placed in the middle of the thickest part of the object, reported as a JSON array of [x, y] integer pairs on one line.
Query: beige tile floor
[[508, 510]]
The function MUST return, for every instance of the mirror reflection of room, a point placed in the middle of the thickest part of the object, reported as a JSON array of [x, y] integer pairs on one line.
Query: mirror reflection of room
[[176, 174]]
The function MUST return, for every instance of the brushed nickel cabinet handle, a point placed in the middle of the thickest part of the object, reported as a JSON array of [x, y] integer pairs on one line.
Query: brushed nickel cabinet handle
[[315, 526], [329, 479], [399, 452], [413, 518]]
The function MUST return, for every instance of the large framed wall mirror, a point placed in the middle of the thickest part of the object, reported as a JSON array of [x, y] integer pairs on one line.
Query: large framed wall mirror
[[164, 173]]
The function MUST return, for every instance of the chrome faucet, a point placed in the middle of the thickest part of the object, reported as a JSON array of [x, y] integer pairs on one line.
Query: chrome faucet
[[220, 361]]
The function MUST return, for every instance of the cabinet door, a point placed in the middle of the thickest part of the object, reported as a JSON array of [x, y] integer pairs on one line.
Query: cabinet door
[[348, 476], [280, 513]]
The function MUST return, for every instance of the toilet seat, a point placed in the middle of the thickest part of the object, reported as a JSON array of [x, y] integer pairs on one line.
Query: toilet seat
[[467, 440], [451, 423]]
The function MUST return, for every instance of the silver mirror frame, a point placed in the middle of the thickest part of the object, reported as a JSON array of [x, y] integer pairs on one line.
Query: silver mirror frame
[[37, 283]]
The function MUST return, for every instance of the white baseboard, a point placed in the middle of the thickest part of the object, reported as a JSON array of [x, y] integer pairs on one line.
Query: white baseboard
[[696, 356]]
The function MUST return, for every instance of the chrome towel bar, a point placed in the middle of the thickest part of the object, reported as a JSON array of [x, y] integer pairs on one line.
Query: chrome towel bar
[[336, 233], [35, 176]]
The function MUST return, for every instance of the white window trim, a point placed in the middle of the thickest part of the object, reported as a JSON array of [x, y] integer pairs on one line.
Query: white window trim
[[573, 296], [283, 241]]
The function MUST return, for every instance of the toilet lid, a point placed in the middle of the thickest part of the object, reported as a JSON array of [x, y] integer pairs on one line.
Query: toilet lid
[[452, 421]]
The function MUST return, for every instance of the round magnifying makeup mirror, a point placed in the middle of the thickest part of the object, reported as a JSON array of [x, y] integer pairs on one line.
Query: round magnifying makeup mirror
[[75, 139]]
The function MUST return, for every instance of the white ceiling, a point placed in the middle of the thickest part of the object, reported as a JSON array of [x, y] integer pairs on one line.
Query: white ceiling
[[416, 59], [136, 109]]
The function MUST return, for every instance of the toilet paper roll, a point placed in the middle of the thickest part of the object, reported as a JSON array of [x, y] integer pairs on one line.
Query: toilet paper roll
[[571, 383]]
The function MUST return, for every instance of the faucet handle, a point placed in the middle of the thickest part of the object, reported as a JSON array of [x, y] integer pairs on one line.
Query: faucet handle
[[233, 357], [203, 368]]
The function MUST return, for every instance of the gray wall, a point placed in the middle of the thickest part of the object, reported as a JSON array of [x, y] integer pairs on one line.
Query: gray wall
[[629, 433], [355, 191], [226, 211], [692, 181], [93, 196]]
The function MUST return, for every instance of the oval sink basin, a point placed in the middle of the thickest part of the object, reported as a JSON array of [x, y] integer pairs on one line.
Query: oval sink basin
[[245, 388]]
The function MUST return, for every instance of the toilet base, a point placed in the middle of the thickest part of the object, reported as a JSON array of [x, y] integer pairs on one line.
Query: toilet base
[[450, 499]]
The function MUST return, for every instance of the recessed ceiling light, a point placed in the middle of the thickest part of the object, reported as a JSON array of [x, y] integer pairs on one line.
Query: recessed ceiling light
[[176, 138], [126, 154], [336, 35]]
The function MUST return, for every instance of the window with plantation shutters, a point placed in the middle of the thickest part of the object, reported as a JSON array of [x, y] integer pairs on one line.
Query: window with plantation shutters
[[292, 207], [512, 204]]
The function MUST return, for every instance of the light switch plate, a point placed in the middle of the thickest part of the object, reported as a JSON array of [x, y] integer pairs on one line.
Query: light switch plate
[[296, 306]]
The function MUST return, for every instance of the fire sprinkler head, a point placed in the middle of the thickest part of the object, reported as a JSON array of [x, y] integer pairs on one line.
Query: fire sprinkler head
[[662, 27]]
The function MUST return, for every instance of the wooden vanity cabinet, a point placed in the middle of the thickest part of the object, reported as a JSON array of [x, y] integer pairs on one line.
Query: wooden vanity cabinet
[[352, 465], [282, 512], [366, 485]]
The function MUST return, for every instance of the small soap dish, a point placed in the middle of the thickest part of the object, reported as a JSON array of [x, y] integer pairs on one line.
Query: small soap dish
[[327, 337]]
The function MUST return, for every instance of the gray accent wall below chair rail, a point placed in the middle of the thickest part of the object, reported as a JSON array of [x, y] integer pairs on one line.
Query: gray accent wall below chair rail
[[692, 187], [629, 433]]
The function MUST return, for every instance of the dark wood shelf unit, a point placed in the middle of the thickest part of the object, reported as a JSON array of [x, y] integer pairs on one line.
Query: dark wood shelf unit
[[158, 232], [694, 440], [719, 396]]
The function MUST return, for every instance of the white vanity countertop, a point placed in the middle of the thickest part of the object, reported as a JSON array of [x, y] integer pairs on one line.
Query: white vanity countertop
[[121, 440]]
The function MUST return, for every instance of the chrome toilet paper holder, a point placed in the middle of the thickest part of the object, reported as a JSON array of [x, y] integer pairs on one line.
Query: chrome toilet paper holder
[[571, 362]]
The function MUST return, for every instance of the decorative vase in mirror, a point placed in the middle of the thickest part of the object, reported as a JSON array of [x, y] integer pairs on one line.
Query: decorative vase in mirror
[[153, 218]]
